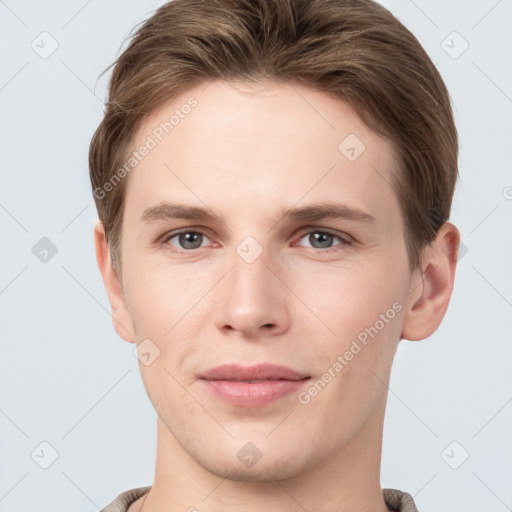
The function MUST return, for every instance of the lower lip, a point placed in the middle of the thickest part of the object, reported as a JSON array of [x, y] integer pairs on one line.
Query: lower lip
[[253, 394]]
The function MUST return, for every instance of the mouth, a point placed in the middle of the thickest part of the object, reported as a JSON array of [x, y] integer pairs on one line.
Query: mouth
[[254, 381], [259, 372], [252, 386]]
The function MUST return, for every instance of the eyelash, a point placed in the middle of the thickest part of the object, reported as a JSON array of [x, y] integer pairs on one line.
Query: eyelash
[[343, 237]]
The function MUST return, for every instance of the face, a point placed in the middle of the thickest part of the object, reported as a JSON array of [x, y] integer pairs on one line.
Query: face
[[282, 243]]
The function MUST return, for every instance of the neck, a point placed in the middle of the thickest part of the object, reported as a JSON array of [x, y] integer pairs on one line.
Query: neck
[[347, 480]]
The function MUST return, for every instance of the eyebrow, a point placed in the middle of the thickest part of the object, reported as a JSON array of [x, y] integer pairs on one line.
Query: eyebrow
[[311, 213]]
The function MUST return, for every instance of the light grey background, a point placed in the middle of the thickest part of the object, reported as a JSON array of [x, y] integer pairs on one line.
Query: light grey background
[[67, 379]]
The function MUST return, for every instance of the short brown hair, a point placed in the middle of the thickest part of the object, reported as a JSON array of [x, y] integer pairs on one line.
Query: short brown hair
[[355, 50]]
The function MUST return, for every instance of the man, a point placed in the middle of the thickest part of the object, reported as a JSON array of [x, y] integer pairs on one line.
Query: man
[[274, 181]]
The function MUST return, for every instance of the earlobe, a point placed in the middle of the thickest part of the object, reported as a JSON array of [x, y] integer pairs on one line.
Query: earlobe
[[121, 318], [431, 288]]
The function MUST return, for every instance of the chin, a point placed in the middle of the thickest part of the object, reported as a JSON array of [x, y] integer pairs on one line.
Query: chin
[[260, 472]]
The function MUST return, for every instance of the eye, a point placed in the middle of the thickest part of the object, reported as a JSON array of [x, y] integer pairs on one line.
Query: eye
[[323, 240], [185, 240]]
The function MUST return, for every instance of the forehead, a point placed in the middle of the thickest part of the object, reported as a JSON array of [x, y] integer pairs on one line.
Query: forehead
[[262, 145]]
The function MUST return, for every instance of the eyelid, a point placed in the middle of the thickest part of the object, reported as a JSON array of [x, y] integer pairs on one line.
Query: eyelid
[[171, 234], [344, 237], [346, 241]]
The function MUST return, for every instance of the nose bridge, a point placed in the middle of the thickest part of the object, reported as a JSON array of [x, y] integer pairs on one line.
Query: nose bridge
[[251, 278], [250, 274]]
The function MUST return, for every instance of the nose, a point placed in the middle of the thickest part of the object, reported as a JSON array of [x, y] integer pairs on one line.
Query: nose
[[252, 300]]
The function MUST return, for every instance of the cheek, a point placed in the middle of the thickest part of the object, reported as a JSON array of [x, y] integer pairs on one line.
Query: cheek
[[158, 298], [347, 298], [362, 313]]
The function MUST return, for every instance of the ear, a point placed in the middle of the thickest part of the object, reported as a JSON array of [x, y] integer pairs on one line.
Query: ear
[[432, 285], [121, 318]]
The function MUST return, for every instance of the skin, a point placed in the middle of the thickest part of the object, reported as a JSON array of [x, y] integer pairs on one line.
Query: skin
[[248, 152]]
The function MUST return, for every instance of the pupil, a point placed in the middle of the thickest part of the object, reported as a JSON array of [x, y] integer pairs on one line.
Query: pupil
[[322, 238], [189, 240]]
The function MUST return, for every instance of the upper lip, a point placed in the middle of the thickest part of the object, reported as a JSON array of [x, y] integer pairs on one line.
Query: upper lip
[[257, 372]]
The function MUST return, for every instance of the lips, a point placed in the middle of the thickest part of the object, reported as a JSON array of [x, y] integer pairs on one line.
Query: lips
[[252, 386], [260, 372]]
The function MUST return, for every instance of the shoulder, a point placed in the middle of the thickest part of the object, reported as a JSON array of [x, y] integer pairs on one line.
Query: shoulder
[[399, 501], [125, 499]]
